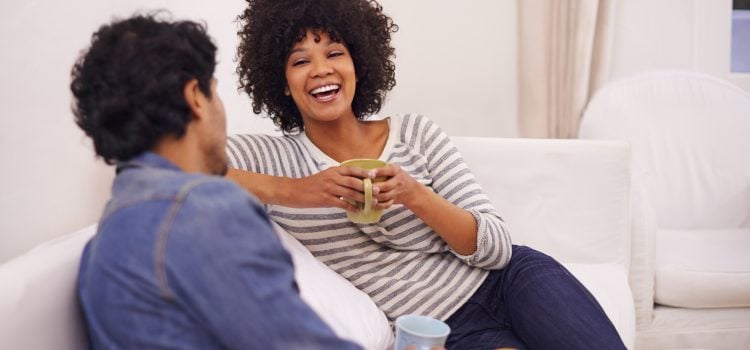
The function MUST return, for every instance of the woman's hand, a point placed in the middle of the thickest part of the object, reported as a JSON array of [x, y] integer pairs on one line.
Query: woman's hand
[[328, 188], [400, 188], [455, 225]]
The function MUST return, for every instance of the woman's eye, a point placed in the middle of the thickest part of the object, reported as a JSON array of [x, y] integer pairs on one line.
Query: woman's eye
[[298, 62], [335, 54]]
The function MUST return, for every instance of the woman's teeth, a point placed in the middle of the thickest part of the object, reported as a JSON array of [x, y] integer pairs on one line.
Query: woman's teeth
[[324, 89]]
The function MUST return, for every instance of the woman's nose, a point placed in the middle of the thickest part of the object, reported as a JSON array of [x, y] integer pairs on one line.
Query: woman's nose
[[321, 68]]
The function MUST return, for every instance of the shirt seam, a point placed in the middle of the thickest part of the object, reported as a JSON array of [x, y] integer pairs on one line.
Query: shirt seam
[[160, 250]]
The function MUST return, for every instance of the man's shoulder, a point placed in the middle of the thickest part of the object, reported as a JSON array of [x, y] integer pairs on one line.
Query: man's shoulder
[[215, 212], [140, 185], [171, 188], [216, 191]]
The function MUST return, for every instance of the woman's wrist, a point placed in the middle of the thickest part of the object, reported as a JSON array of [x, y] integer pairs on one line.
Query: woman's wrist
[[282, 191], [268, 189], [419, 200]]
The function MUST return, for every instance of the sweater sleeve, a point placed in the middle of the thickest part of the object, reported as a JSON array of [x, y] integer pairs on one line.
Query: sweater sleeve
[[244, 152], [270, 155], [453, 180]]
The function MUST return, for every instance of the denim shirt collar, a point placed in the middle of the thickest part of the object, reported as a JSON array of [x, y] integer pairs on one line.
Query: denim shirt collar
[[147, 160]]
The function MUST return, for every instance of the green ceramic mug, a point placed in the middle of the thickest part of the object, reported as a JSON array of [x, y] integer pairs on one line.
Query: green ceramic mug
[[366, 214]]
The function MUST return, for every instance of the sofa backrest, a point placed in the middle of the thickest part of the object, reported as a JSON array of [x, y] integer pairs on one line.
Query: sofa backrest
[[567, 198], [38, 305]]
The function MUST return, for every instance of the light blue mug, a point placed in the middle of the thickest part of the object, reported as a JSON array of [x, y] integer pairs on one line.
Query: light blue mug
[[420, 332]]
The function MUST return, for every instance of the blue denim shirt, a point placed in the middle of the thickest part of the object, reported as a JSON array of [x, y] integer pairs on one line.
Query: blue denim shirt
[[190, 261]]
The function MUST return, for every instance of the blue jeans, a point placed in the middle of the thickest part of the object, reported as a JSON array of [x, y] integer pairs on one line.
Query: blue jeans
[[533, 303]]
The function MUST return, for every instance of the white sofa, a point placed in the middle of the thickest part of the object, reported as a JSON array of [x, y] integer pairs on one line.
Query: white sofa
[[690, 138], [569, 198]]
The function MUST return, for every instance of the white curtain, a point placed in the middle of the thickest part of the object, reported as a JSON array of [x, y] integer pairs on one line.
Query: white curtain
[[564, 55]]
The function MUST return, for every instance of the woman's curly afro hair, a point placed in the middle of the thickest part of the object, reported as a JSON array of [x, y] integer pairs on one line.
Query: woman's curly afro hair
[[271, 27]]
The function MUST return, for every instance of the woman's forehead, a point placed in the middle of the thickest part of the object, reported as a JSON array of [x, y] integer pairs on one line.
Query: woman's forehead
[[317, 35]]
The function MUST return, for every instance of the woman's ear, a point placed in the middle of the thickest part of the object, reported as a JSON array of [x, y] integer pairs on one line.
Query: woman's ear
[[194, 98]]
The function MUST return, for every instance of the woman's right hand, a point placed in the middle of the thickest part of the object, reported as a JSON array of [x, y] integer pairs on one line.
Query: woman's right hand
[[327, 188]]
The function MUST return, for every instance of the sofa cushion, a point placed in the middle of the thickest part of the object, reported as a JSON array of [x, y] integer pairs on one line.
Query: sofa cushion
[[39, 308], [703, 268], [38, 305], [353, 315], [608, 283], [350, 312], [568, 198], [695, 329]]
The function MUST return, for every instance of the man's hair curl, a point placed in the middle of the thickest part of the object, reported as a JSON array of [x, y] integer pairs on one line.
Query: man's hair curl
[[271, 27], [128, 87]]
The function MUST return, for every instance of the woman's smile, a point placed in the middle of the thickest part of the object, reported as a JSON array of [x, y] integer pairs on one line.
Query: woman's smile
[[326, 92]]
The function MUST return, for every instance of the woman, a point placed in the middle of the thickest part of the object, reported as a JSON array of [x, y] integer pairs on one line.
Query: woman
[[321, 69]]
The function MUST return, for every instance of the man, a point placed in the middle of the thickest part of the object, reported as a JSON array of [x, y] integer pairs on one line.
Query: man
[[183, 258]]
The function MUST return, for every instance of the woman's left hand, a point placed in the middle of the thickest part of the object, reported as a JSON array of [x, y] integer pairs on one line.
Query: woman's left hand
[[400, 188], [455, 225]]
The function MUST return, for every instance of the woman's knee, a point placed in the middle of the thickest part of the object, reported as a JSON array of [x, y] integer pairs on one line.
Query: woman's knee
[[528, 262], [524, 255]]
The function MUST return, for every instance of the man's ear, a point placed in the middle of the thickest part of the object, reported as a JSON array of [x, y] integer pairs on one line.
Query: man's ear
[[194, 98]]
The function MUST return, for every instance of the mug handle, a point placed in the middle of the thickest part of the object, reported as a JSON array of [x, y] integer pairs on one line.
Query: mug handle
[[368, 195]]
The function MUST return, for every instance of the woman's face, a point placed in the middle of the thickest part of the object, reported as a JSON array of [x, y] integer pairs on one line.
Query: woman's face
[[321, 78]]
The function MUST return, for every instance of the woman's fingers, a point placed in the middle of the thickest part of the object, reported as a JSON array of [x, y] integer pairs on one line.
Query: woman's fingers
[[385, 186], [348, 193], [341, 202], [355, 172], [345, 203], [384, 205], [400, 188], [352, 183], [344, 185], [389, 170], [388, 190]]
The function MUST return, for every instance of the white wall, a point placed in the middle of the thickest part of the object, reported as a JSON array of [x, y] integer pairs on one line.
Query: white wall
[[682, 34], [51, 182], [456, 64]]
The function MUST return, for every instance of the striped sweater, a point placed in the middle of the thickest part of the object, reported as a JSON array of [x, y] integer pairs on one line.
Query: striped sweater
[[400, 262]]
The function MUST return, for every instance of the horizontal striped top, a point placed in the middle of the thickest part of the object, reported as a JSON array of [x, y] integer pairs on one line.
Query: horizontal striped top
[[400, 262]]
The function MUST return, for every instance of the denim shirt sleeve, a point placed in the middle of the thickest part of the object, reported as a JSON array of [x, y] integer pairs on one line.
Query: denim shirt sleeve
[[225, 264]]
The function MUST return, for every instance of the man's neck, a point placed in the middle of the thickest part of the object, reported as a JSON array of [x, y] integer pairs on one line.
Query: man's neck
[[182, 153]]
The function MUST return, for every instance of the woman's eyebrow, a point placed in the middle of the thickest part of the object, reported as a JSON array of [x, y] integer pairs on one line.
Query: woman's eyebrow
[[304, 48], [298, 49]]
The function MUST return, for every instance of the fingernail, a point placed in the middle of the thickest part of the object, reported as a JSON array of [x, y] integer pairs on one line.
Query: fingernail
[[372, 174], [374, 201], [375, 189]]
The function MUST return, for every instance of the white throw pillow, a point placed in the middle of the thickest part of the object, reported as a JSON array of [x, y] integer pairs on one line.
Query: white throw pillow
[[347, 310]]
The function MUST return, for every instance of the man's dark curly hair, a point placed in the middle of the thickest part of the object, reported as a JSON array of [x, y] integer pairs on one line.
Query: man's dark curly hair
[[271, 27], [128, 87]]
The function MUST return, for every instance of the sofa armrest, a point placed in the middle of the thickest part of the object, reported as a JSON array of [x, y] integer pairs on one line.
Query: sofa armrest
[[38, 304], [641, 276]]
